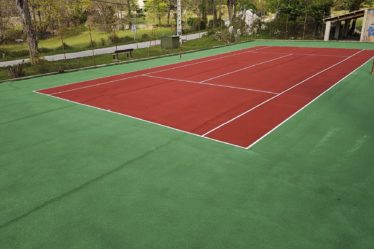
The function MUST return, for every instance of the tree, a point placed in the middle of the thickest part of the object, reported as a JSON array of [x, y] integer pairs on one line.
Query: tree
[[231, 4], [104, 15], [24, 11], [352, 5], [157, 7], [6, 12]]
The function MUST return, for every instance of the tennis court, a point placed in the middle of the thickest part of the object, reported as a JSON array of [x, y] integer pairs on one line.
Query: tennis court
[[235, 98], [116, 157]]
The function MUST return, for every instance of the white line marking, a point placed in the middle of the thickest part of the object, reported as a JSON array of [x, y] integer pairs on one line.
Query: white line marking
[[139, 119], [98, 84], [213, 59], [293, 52], [288, 89], [328, 89], [245, 68], [203, 136], [210, 84], [125, 78]]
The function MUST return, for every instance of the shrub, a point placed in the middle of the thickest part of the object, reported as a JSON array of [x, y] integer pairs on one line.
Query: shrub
[[196, 23], [102, 41], [127, 38], [61, 69], [224, 36], [92, 45], [145, 37], [10, 35], [16, 71], [114, 38]]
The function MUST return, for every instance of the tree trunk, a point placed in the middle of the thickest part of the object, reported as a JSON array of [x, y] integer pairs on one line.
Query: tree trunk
[[169, 10], [23, 9], [214, 13], [304, 29], [229, 8], [129, 13]]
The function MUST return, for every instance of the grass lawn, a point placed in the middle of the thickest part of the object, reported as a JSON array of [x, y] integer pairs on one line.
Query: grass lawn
[[47, 67], [78, 41], [77, 177]]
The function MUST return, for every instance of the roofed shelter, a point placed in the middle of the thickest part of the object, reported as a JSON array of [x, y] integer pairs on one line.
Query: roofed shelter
[[345, 24]]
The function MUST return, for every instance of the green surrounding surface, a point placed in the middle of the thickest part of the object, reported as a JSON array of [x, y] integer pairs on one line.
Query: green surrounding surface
[[76, 177]]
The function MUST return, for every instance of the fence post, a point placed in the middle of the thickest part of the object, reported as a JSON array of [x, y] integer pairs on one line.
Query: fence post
[[92, 46]]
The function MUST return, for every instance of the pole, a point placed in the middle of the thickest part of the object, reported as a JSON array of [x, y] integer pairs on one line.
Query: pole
[[92, 46], [179, 20]]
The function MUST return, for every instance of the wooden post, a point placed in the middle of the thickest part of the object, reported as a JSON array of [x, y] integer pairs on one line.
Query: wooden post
[[372, 68]]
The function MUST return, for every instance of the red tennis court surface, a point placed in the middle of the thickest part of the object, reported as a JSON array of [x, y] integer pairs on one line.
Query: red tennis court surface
[[235, 98]]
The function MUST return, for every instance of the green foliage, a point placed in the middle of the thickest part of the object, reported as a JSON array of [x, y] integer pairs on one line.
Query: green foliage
[[104, 17], [157, 7], [128, 39], [93, 44], [196, 23], [50, 15], [247, 4], [352, 5], [145, 37], [114, 38], [61, 66], [102, 42]]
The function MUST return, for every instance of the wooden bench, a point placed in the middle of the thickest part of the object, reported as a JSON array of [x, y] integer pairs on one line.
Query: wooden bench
[[127, 51]]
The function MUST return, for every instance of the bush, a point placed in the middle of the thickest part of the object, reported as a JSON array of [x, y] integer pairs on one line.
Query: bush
[[16, 71], [224, 36], [10, 35], [114, 38], [103, 42], [218, 23], [43, 67], [61, 69], [196, 23], [145, 37], [127, 39], [92, 45], [44, 50]]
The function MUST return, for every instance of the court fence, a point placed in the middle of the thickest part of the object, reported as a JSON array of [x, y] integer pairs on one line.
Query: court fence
[[97, 57]]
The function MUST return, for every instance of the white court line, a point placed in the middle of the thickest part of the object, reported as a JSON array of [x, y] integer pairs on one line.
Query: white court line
[[324, 55], [89, 86], [270, 99], [140, 119], [213, 59], [328, 89], [209, 84], [245, 68], [125, 78], [202, 136]]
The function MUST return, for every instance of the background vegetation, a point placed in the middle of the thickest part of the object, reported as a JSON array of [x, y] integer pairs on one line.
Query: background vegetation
[[75, 25]]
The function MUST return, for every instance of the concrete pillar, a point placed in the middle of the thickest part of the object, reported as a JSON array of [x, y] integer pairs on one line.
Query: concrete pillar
[[337, 30], [346, 28], [362, 38], [327, 31]]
